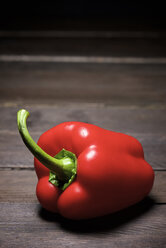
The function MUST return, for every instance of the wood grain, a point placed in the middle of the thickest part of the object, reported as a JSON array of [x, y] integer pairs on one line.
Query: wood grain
[[14, 154], [114, 84], [134, 121], [19, 186], [27, 225], [128, 98], [148, 125]]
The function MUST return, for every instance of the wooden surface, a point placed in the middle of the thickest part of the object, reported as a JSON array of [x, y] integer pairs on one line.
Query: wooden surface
[[124, 97]]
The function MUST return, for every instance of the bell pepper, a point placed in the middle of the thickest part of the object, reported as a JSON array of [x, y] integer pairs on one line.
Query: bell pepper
[[85, 171]]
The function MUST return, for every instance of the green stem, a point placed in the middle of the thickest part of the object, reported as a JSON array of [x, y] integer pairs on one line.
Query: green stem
[[64, 167]]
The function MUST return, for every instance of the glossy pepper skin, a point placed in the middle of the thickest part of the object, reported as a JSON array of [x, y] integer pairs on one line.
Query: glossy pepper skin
[[111, 171]]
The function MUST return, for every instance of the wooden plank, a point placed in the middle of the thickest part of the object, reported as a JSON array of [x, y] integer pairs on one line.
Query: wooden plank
[[148, 125], [27, 225], [115, 84], [14, 154], [149, 122], [19, 186], [124, 98], [158, 192], [81, 59], [114, 46]]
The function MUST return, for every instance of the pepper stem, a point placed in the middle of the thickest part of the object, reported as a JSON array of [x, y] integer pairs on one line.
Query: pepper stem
[[64, 167]]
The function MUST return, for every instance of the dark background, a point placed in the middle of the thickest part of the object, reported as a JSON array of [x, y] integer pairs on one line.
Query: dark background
[[83, 15]]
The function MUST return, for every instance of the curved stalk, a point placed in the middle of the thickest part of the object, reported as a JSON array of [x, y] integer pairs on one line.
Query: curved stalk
[[64, 168]]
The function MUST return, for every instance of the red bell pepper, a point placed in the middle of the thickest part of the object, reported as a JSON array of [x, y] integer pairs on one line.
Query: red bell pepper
[[85, 171]]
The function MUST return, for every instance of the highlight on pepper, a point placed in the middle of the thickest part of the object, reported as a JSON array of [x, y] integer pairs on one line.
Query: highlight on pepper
[[85, 171]]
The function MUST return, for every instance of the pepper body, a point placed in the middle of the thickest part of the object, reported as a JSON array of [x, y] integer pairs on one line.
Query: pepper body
[[111, 171]]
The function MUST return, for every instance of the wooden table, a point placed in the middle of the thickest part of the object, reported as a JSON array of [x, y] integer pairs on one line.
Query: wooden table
[[115, 81]]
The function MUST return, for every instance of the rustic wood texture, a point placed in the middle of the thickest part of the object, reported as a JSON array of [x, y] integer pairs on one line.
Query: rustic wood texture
[[19, 185], [115, 84], [146, 124], [27, 224], [18, 156], [124, 97]]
